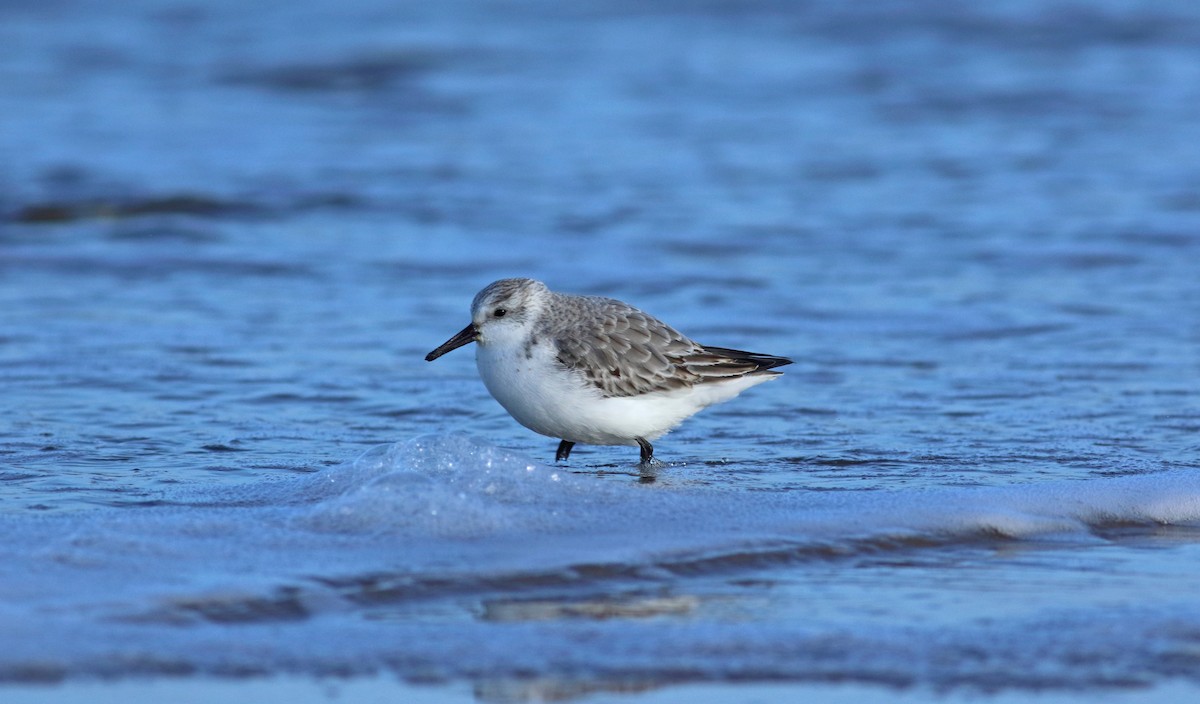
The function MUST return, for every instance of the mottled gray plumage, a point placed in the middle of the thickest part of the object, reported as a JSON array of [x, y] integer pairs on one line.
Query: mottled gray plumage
[[596, 370], [514, 292], [625, 352]]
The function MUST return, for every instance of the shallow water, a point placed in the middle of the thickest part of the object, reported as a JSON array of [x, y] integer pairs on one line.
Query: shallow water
[[444, 559], [231, 234]]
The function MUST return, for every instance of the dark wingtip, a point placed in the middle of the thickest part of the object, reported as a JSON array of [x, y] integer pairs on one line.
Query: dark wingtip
[[770, 361], [763, 362]]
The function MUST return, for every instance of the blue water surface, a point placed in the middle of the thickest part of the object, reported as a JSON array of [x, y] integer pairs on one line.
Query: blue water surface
[[231, 232]]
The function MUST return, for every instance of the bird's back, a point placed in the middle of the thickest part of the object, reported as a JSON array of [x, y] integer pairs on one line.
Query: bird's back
[[623, 351]]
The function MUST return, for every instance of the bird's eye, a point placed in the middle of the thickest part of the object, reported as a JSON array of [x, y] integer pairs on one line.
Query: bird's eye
[[500, 312]]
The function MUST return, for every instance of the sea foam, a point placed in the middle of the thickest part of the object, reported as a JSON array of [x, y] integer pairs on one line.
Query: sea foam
[[155, 589]]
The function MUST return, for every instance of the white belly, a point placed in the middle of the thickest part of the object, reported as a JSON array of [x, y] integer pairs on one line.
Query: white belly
[[546, 399]]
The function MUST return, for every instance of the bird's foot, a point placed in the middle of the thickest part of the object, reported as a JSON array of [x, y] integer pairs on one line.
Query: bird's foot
[[564, 451], [647, 450], [647, 465]]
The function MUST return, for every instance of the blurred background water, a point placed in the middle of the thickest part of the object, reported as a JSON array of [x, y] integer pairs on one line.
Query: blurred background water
[[230, 233]]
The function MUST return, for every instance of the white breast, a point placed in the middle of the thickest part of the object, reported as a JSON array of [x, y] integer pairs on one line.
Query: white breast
[[553, 401], [532, 388]]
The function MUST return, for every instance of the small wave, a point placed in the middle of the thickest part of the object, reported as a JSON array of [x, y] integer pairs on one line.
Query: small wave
[[454, 487], [489, 491], [554, 558]]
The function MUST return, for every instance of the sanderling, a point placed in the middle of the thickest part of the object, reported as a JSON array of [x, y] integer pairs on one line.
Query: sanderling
[[594, 370]]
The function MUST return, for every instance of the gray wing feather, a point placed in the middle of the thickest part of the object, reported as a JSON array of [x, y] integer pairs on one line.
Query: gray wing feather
[[624, 352]]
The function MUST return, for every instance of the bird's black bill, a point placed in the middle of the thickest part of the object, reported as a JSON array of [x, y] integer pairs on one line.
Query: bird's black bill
[[466, 337]]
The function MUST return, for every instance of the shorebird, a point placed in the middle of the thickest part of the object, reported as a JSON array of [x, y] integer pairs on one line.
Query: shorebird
[[594, 370]]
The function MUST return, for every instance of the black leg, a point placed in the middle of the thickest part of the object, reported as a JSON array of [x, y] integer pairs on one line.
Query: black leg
[[647, 450], [564, 451]]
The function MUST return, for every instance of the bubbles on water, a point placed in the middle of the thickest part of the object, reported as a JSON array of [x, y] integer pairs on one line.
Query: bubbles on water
[[446, 520], [454, 486]]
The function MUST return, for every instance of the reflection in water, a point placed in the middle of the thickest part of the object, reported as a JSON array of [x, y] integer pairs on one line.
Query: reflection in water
[[551, 689], [608, 607]]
